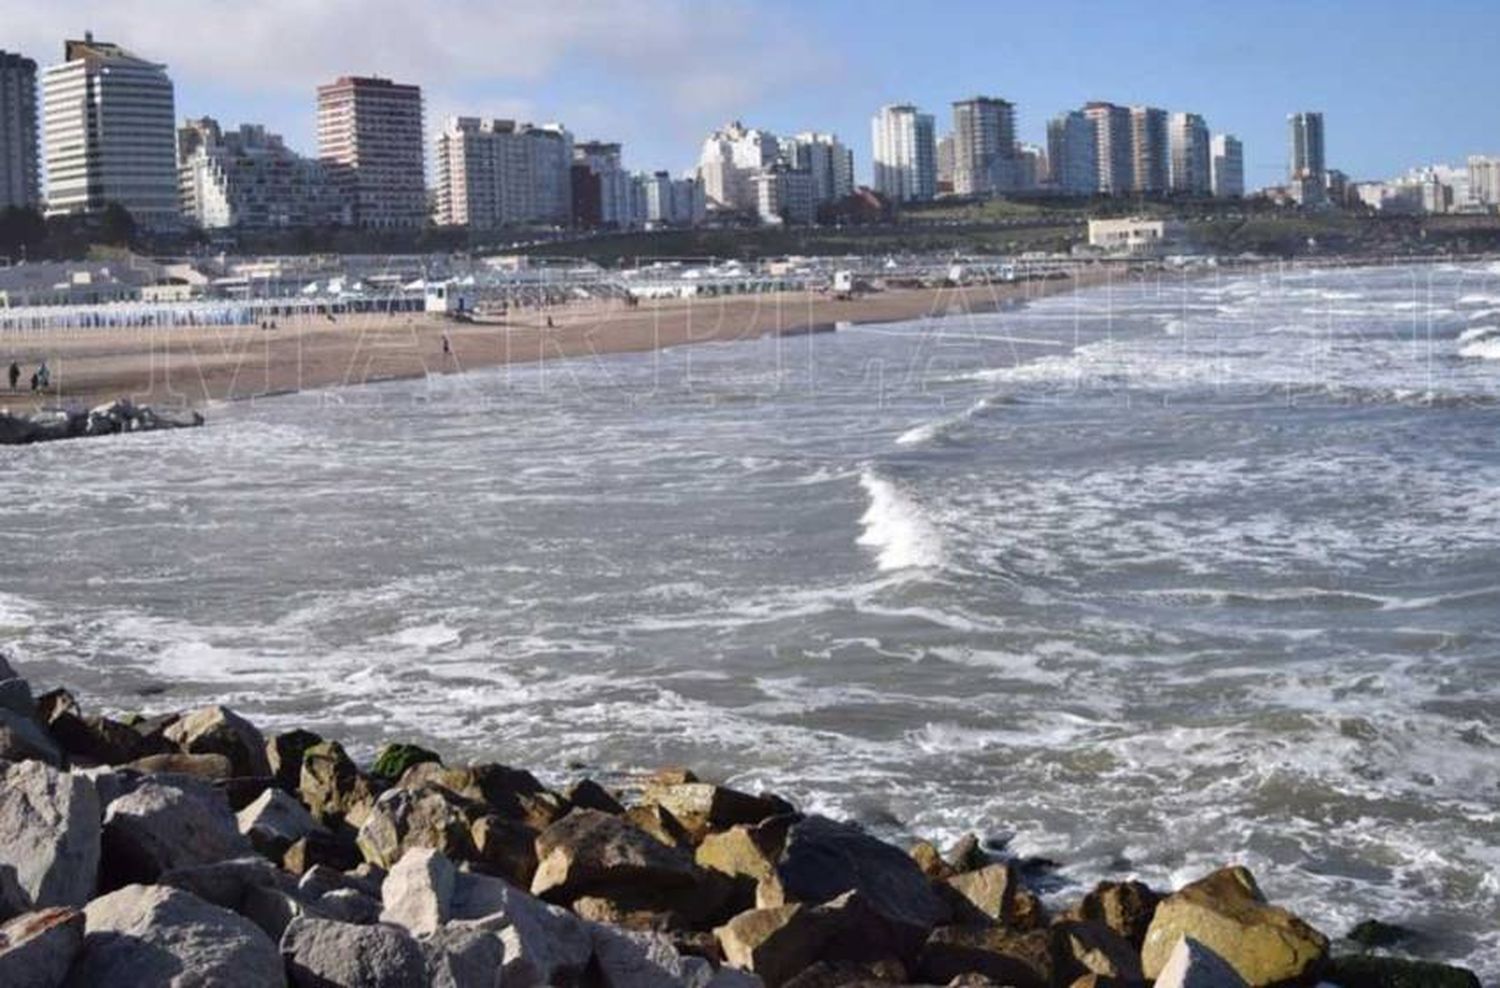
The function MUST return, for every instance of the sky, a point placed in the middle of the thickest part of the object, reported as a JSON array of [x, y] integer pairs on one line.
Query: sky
[[1400, 84]]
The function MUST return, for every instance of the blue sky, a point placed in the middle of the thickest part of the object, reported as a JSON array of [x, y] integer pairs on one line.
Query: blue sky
[[1401, 84]]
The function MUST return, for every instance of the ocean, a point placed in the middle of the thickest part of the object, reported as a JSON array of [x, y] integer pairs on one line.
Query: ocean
[[1140, 580]]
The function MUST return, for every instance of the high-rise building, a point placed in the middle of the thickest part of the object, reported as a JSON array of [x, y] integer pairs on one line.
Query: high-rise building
[[1150, 153], [825, 157], [19, 184], [109, 132], [668, 201], [248, 179], [1227, 167], [603, 191], [495, 173], [945, 163], [1192, 167], [728, 162], [1072, 155], [784, 194], [370, 133], [1113, 153], [1307, 165], [984, 146], [1484, 180], [905, 155]]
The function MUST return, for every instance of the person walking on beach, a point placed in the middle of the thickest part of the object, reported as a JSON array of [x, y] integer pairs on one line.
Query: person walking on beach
[[44, 376], [15, 374], [447, 346], [33, 382]]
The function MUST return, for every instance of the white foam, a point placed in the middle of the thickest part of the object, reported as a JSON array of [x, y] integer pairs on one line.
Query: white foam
[[1477, 333], [1484, 349], [896, 529]]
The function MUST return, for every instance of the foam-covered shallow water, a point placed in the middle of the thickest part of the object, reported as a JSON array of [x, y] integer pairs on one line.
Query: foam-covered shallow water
[[1143, 578]]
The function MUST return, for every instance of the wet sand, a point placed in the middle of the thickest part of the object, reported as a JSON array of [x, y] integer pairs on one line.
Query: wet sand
[[190, 367]]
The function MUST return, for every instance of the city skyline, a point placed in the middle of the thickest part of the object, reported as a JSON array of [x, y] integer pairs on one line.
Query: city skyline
[[655, 75]]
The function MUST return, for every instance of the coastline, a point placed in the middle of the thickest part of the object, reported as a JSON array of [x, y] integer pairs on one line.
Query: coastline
[[190, 368]]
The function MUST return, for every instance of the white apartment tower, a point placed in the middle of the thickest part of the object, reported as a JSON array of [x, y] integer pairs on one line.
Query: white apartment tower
[[1113, 154], [1192, 170], [109, 133], [729, 161], [905, 153], [18, 159], [830, 163], [495, 173], [370, 133], [1149, 150], [1307, 166], [249, 179], [1484, 180], [984, 146], [1227, 167]]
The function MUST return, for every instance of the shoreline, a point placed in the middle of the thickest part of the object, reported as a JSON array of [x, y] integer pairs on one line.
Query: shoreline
[[289, 859], [184, 368]]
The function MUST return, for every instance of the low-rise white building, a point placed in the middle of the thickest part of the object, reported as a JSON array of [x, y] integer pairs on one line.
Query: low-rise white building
[[1137, 236]]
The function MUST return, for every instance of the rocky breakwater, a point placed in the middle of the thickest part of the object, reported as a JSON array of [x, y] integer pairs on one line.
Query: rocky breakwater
[[187, 849], [76, 423]]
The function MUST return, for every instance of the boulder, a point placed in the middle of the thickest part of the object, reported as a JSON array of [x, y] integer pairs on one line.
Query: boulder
[[220, 731], [273, 910], [1192, 965], [157, 828], [333, 788], [506, 792], [823, 859], [1125, 907], [274, 822], [930, 861], [424, 816], [148, 936], [1227, 913], [993, 894], [544, 944], [750, 852], [1021, 960], [284, 756], [594, 853], [226, 883], [774, 943], [208, 766], [463, 957], [506, 848], [392, 761], [38, 948], [321, 879], [1081, 948], [92, 739], [322, 953], [702, 807], [348, 906], [22, 738], [660, 824], [625, 959], [49, 838], [590, 795], [418, 892], [15, 696], [242, 790], [337, 851], [967, 854], [1372, 971]]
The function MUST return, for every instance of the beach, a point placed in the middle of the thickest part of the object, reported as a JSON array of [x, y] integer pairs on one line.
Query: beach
[[188, 367]]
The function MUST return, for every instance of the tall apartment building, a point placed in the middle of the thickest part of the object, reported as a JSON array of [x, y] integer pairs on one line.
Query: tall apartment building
[[495, 173], [603, 191], [1072, 155], [19, 182], [825, 157], [1227, 167], [945, 163], [784, 194], [1150, 152], [1113, 152], [984, 146], [248, 179], [905, 153], [1484, 180], [730, 159], [370, 133], [1307, 165], [668, 201], [1191, 157], [109, 134]]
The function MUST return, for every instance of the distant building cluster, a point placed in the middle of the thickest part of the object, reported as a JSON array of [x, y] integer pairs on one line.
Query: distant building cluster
[[101, 126]]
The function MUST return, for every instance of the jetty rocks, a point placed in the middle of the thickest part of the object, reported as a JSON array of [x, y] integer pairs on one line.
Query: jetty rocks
[[75, 423], [185, 848]]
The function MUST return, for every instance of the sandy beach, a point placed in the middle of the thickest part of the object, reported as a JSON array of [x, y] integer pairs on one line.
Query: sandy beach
[[190, 367]]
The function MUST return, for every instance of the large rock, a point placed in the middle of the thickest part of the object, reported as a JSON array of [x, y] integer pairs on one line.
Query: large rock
[[544, 944], [750, 852], [284, 756], [227, 883], [49, 838], [159, 827], [322, 848], [322, 953], [418, 892], [333, 788], [661, 824], [463, 957], [1125, 907], [1192, 965], [424, 816], [38, 948], [1021, 960], [221, 731], [392, 761], [92, 739], [774, 943], [594, 853], [625, 959], [208, 766], [823, 859], [587, 794], [148, 936], [1081, 948], [1227, 913], [702, 807], [505, 848], [1372, 971], [22, 738], [274, 822], [994, 894], [504, 791]]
